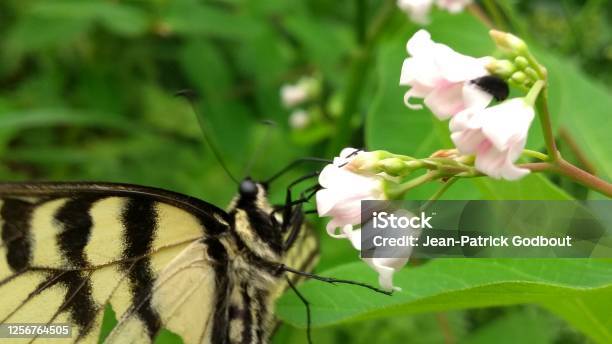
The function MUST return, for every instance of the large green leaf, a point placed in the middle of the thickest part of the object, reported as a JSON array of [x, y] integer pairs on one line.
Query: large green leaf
[[117, 17], [578, 290]]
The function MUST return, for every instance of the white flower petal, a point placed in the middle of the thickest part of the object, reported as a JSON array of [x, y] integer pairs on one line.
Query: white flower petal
[[496, 135], [508, 120], [453, 6], [446, 100], [292, 95], [439, 74], [419, 42], [386, 267], [475, 98], [343, 190]]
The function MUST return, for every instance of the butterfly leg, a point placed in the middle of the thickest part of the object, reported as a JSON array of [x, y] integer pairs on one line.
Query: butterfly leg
[[332, 280], [306, 304]]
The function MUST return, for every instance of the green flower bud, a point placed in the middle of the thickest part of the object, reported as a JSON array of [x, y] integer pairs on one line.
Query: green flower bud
[[509, 42], [392, 166], [520, 77], [501, 68], [521, 62], [533, 75]]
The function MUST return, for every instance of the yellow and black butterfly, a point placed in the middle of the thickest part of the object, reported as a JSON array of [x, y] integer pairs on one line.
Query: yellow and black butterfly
[[158, 258]]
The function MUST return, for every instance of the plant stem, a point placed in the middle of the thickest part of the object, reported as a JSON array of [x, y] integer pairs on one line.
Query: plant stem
[[535, 154], [583, 177], [545, 122], [360, 21], [566, 137], [537, 166], [439, 193], [564, 168], [398, 191], [496, 14]]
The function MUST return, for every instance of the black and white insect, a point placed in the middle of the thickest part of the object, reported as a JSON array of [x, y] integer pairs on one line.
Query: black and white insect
[[159, 259]]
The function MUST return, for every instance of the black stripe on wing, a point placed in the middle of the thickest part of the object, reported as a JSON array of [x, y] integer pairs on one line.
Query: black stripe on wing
[[220, 327], [17, 215], [140, 220], [75, 218]]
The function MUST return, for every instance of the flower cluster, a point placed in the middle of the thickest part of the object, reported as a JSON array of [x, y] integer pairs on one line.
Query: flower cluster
[[418, 10], [341, 196], [461, 88], [488, 138]]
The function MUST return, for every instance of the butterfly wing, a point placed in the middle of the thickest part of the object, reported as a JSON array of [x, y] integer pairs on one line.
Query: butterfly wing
[[184, 293], [68, 250]]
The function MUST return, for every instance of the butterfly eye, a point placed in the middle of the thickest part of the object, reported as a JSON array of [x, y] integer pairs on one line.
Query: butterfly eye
[[248, 188]]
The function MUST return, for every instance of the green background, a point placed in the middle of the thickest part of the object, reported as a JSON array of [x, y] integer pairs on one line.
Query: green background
[[86, 93]]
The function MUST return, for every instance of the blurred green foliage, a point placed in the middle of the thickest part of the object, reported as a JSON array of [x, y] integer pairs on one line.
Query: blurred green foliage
[[87, 93]]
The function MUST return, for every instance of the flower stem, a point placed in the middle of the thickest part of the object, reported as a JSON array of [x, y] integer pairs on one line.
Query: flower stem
[[439, 193], [564, 168], [535, 154], [398, 191], [545, 122], [583, 177], [496, 14]]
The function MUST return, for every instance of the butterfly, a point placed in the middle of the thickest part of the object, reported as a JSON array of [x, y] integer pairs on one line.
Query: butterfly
[[160, 259]]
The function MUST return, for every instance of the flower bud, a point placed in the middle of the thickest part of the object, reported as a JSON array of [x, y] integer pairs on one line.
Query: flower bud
[[520, 77], [508, 42], [368, 161], [531, 73], [521, 62], [299, 119], [501, 68], [393, 166]]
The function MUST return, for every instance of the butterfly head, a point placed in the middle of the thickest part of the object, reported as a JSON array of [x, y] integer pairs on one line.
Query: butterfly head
[[248, 188]]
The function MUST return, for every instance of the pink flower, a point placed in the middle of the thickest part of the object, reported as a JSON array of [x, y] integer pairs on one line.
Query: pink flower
[[496, 135], [418, 10], [299, 119], [385, 267], [441, 76], [292, 95], [453, 6], [343, 190]]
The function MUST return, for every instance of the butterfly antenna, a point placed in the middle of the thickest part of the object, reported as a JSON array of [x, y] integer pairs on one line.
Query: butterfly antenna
[[270, 124], [294, 164], [190, 96]]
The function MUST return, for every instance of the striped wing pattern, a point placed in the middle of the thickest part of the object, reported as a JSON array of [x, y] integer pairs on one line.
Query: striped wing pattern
[[67, 251]]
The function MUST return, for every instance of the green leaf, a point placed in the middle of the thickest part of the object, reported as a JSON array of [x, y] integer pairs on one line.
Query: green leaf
[[193, 18], [446, 284], [523, 326], [117, 17], [324, 42], [532, 187], [16, 120]]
